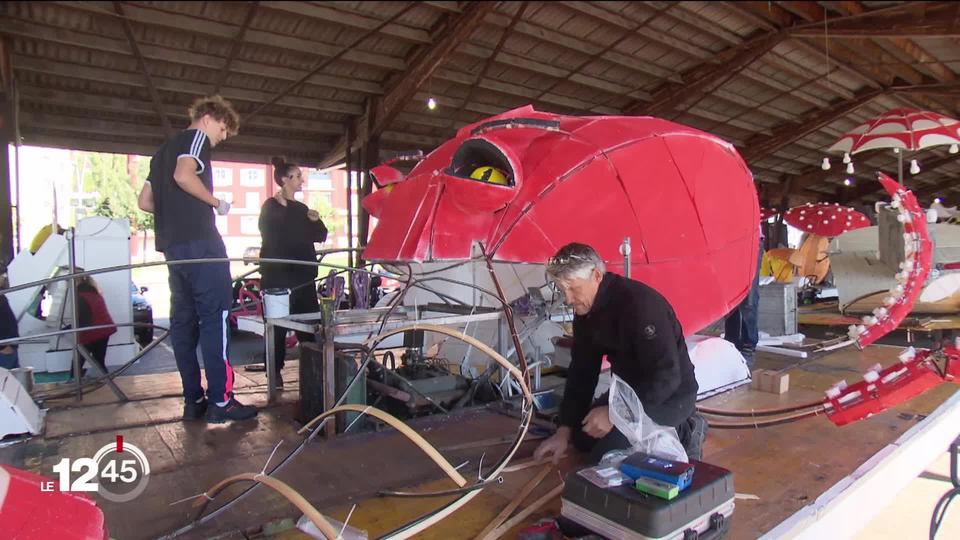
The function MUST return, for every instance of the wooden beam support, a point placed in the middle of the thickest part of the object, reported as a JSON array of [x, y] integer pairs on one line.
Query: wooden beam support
[[121, 130], [235, 47], [34, 31], [705, 78], [101, 75], [151, 88], [6, 66], [208, 28], [493, 56], [425, 62], [326, 62], [761, 147], [83, 101]]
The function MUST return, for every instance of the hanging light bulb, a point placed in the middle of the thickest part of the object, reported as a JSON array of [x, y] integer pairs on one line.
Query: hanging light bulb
[[826, 164], [914, 167], [847, 182], [849, 168], [954, 149], [431, 103], [896, 150], [937, 200], [846, 157]]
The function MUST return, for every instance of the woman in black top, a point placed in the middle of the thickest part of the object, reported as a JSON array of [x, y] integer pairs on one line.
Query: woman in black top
[[289, 230]]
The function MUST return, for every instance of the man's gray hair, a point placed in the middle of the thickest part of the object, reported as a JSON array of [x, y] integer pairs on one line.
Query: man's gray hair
[[574, 261]]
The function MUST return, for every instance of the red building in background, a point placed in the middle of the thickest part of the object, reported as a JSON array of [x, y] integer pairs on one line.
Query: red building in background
[[247, 186]]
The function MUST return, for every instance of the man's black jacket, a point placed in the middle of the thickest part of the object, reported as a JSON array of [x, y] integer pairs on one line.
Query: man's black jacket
[[635, 327]]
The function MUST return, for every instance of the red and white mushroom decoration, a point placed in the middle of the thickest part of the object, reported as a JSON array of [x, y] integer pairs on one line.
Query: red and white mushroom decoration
[[767, 213], [825, 219]]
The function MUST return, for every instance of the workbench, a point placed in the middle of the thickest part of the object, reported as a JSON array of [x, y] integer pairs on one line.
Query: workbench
[[360, 324]]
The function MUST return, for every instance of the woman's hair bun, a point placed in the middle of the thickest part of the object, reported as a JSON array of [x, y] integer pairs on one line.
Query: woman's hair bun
[[278, 161]]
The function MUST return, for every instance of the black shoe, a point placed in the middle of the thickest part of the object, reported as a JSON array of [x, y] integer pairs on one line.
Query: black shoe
[[193, 410], [233, 410], [278, 378]]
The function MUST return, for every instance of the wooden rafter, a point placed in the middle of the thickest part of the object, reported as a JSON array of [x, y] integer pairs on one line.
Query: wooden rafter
[[761, 147], [235, 47], [458, 27], [492, 58], [705, 78], [599, 54], [329, 60], [151, 88]]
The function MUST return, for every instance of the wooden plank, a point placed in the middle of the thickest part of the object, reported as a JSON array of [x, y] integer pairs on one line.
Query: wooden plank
[[141, 63], [34, 94], [208, 28], [371, 124], [852, 502], [330, 14], [91, 73], [35, 31]]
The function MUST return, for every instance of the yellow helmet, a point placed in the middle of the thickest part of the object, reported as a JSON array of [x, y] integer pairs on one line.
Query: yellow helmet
[[490, 175]]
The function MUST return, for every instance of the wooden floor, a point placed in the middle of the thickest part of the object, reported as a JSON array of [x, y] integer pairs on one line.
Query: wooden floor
[[785, 467]]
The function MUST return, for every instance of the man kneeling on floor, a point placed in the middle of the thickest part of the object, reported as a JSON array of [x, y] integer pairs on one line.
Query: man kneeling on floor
[[637, 330]]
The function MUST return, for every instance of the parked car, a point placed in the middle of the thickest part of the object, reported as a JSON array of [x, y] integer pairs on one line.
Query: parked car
[[142, 313]]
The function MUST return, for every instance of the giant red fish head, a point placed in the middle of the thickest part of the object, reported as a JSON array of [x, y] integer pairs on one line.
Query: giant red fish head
[[524, 183]]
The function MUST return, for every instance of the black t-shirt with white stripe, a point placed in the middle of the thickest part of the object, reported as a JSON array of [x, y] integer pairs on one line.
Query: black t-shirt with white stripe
[[181, 217]]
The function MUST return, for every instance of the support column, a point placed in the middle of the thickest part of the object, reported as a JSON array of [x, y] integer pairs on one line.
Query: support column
[[349, 185], [370, 158], [7, 131]]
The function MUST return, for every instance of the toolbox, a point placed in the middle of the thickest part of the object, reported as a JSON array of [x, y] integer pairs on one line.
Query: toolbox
[[701, 511]]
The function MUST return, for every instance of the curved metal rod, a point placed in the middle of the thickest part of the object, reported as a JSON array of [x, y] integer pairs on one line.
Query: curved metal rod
[[53, 333], [414, 437], [761, 412], [205, 260], [440, 493], [283, 489], [767, 422]]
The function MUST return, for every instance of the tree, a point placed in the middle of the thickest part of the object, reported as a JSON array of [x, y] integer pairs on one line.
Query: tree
[[114, 185]]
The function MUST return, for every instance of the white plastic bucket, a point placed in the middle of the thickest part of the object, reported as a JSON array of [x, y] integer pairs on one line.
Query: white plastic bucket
[[276, 303]]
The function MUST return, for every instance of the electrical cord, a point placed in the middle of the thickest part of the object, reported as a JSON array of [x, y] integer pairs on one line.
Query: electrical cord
[[940, 510]]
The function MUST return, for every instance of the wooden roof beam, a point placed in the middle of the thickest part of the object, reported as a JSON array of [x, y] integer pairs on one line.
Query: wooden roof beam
[[39, 32], [705, 78], [374, 121], [761, 147], [151, 88], [235, 47], [329, 60], [940, 71], [493, 56]]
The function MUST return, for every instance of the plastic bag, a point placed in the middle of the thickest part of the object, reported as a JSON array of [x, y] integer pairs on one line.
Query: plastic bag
[[644, 435]]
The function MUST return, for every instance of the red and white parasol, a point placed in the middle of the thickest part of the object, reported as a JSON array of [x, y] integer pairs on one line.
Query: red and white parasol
[[825, 219], [907, 129]]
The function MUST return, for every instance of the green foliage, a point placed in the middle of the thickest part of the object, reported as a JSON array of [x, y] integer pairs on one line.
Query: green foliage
[[107, 176], [327, 213]]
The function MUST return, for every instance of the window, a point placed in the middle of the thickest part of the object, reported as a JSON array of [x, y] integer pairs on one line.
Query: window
[[251, 201], [223, 225], [224, 196], [251, 177], [317, 181], [248, 225], [222, 176]]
